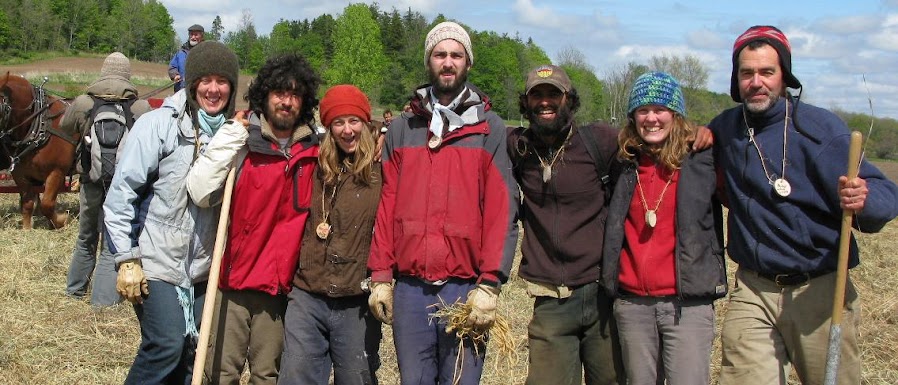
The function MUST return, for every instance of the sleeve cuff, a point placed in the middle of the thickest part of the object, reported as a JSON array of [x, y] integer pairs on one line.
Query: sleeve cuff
[[382, 276]]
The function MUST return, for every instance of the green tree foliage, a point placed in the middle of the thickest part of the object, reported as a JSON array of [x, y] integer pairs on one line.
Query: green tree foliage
[[5, 32], [215, 33], [244, 42], [496, 70], [140, 29], [881, 141], [358, 53], [584, 79]]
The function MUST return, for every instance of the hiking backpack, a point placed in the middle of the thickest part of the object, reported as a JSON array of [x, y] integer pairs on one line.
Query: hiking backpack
[[110, 122]]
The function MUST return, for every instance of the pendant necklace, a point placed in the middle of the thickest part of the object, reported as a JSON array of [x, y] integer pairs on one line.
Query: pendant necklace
[[651, 216], [547, 166], [781, 186], [323, 230]]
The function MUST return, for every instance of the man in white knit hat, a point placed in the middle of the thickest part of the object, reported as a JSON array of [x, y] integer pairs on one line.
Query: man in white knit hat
[[446, 226], [113, 86]]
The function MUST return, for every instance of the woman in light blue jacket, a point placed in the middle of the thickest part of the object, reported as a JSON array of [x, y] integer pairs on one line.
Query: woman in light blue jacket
[[162, 243]]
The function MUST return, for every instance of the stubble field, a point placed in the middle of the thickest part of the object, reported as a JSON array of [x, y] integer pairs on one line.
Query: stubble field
[[48, 338]]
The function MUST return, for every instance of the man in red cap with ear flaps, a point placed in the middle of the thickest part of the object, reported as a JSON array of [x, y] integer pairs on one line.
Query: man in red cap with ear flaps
[[783, 163]]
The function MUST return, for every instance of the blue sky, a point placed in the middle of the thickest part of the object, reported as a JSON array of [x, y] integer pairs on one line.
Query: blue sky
[[834, 43]]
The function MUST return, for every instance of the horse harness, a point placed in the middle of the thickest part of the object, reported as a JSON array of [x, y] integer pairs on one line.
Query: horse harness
[[40, 130]]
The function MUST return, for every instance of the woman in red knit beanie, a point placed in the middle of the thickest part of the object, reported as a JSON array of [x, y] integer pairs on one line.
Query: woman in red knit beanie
[[328, 323]]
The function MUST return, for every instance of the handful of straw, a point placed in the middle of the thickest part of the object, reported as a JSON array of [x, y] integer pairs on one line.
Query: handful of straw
[[455, 317]]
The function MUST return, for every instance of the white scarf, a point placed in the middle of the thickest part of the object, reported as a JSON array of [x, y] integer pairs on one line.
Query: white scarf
[[439, 110]]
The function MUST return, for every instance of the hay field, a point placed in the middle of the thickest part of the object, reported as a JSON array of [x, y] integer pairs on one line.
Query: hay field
[[48, 338]]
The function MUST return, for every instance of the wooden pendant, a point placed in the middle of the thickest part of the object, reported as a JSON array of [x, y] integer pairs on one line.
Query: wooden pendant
[[651, 218], [547, 174], [323, 230]]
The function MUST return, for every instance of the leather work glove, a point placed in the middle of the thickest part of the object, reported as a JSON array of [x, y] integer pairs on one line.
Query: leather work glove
[[381, 301], [131, 283], [483, 300]]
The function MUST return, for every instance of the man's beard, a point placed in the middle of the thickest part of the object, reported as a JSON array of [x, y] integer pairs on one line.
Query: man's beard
[[562, 118], [759, 108], [194, 42], [453, 88], [278, 123]]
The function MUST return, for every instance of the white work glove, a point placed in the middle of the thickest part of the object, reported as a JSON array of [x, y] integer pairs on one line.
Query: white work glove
[[482, 299], [131, 282], [381, 301]]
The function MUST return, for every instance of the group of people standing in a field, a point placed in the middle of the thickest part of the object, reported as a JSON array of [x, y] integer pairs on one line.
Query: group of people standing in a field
[[332, 234]]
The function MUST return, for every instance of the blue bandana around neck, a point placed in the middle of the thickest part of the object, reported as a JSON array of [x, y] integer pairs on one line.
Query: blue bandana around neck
[[210, 124]]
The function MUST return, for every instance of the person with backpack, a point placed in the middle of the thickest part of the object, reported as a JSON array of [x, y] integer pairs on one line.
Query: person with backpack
[[103, 116], [161, 241], [564, 173]]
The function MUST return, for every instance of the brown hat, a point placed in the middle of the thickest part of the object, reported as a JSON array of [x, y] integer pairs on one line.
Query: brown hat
[[548, 74], [196, 28], [116, 64], [212, 58], [341, 100]]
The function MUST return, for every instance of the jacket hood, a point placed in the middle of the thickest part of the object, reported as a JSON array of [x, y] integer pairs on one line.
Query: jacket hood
[[112, 86]]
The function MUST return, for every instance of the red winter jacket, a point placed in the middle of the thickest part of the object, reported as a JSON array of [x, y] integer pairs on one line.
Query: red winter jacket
[[269, 208], [448, 212]]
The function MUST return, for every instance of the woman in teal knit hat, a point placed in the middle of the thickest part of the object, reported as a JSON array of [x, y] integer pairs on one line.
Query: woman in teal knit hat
[[663, 250]]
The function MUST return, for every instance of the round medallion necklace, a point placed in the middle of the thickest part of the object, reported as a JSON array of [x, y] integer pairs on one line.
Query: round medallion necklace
[[781, 186], [651, 216]]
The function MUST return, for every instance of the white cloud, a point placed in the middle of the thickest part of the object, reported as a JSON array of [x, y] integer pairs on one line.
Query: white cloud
[[543, 17], [707, 39], [887, 36]]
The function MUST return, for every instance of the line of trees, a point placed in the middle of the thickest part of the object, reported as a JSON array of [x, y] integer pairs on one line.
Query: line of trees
[[381, 51]]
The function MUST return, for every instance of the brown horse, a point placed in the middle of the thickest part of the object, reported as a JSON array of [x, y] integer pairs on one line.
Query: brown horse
[[33, 148]]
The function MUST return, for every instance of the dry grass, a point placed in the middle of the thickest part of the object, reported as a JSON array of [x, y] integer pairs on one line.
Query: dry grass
[[48, 338]]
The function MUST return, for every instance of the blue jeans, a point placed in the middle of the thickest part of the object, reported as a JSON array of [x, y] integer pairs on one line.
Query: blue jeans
[[426, 353], [572, 336], [166, 353], [84, 256], [321, 331]]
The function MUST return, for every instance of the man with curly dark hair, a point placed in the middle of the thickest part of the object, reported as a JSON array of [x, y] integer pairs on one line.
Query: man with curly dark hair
[[275, 149]]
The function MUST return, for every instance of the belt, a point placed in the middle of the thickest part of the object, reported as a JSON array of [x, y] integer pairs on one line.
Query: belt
[[793, 279]]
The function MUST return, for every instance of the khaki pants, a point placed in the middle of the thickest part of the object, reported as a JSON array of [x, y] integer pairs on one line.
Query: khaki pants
[[768, 328], [249, 328]]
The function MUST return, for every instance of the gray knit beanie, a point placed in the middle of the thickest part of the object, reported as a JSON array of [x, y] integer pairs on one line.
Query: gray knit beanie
[[448, 30], [116, 64], [211, 58]]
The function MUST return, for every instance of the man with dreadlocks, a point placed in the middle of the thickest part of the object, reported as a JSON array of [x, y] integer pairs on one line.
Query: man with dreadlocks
[[275, 155], [563, 170], [783, 163]]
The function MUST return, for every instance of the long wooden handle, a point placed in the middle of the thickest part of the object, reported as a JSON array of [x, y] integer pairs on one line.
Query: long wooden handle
[[202, 348], [854, 158], [833, 352]]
